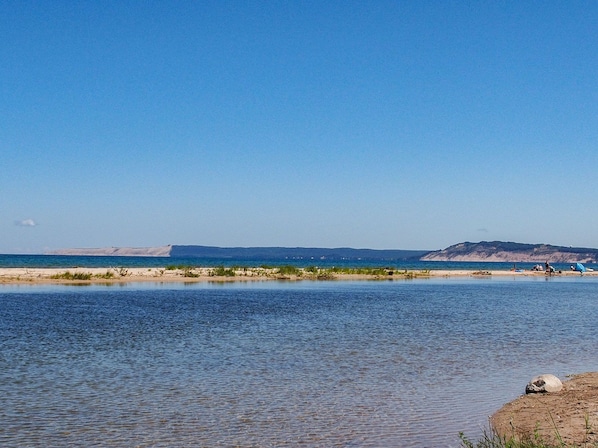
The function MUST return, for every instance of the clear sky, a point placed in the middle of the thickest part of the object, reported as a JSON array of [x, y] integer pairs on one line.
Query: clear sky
[[382, 124]]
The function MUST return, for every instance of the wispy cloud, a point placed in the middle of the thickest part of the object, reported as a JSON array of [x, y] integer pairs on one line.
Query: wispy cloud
[[482, 229], [26, 223]]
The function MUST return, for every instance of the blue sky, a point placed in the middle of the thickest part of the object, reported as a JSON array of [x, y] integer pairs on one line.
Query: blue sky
[[385, 124]]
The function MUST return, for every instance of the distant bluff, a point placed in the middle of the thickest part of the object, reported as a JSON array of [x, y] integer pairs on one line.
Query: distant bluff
[[250, 253], [482, 251], [161, 251], [512, 252]]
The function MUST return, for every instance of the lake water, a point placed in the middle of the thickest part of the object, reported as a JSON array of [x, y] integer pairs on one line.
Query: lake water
[[324, 364], [70, 261]]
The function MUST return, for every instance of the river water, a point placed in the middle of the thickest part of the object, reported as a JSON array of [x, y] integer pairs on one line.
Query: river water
[[347, 364]]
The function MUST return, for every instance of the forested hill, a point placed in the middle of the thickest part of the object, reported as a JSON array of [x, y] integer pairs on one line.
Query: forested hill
[[513, 252]]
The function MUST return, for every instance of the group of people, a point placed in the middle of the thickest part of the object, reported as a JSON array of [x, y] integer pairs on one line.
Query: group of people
[[549, 270]]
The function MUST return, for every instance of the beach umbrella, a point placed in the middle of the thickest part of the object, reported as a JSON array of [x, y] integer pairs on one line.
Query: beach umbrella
[[580, 267]]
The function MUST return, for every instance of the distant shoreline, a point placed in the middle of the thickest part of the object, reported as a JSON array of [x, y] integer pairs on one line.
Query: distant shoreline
[[109, 275], [483, 251]]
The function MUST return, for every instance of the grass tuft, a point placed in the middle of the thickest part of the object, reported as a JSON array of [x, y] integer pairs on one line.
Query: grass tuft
[[491, 439], [288, 270], [67, 275], [221, 271]]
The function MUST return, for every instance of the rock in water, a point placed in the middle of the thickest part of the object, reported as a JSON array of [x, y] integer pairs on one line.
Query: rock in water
[[543, 383]]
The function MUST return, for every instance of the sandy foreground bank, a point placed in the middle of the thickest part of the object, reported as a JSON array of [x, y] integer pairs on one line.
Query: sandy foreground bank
[[570, 415], [203, 274]]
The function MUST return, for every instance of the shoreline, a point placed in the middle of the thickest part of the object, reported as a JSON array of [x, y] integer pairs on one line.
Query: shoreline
[[189, 274], [567, 417]]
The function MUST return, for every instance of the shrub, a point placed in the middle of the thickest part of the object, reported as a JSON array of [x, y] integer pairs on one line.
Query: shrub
[[325, 276], [123, 272], [221, 271], [72, 276], [188, 272], [288, 270]]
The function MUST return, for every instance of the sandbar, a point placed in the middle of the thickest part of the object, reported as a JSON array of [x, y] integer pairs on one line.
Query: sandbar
[[209, 274]]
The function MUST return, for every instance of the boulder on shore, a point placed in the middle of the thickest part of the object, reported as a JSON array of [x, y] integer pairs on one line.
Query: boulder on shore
[[543, 383]]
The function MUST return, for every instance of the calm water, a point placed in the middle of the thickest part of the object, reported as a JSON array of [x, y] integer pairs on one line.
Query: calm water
[[348, 364], [70, 261]]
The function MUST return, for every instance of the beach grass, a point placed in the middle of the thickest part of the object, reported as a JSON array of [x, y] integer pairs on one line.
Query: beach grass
[[178, 267], [188, 272], [68, 275], [288, 270], [107, 275], [221, 271], [84, 276], [495, 441], [491, 439]]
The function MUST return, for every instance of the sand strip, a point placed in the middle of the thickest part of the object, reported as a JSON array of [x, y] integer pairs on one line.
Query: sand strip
[[203, 274]]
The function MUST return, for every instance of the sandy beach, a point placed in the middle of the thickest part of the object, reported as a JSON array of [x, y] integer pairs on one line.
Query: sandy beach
[[206, 274], [568, 416]]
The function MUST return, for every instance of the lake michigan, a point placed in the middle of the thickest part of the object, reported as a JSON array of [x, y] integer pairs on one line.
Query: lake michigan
[[350, 364]]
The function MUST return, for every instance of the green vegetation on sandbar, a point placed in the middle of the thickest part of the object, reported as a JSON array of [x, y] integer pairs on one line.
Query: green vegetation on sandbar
[[221, 271], [288, 270], [377, 272], [84, 276], [122, 271], [107, 275], [329, 273], [67, 275], [178, 267]]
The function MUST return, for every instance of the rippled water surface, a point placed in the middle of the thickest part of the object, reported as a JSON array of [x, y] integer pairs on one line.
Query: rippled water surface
[[282, 364]]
